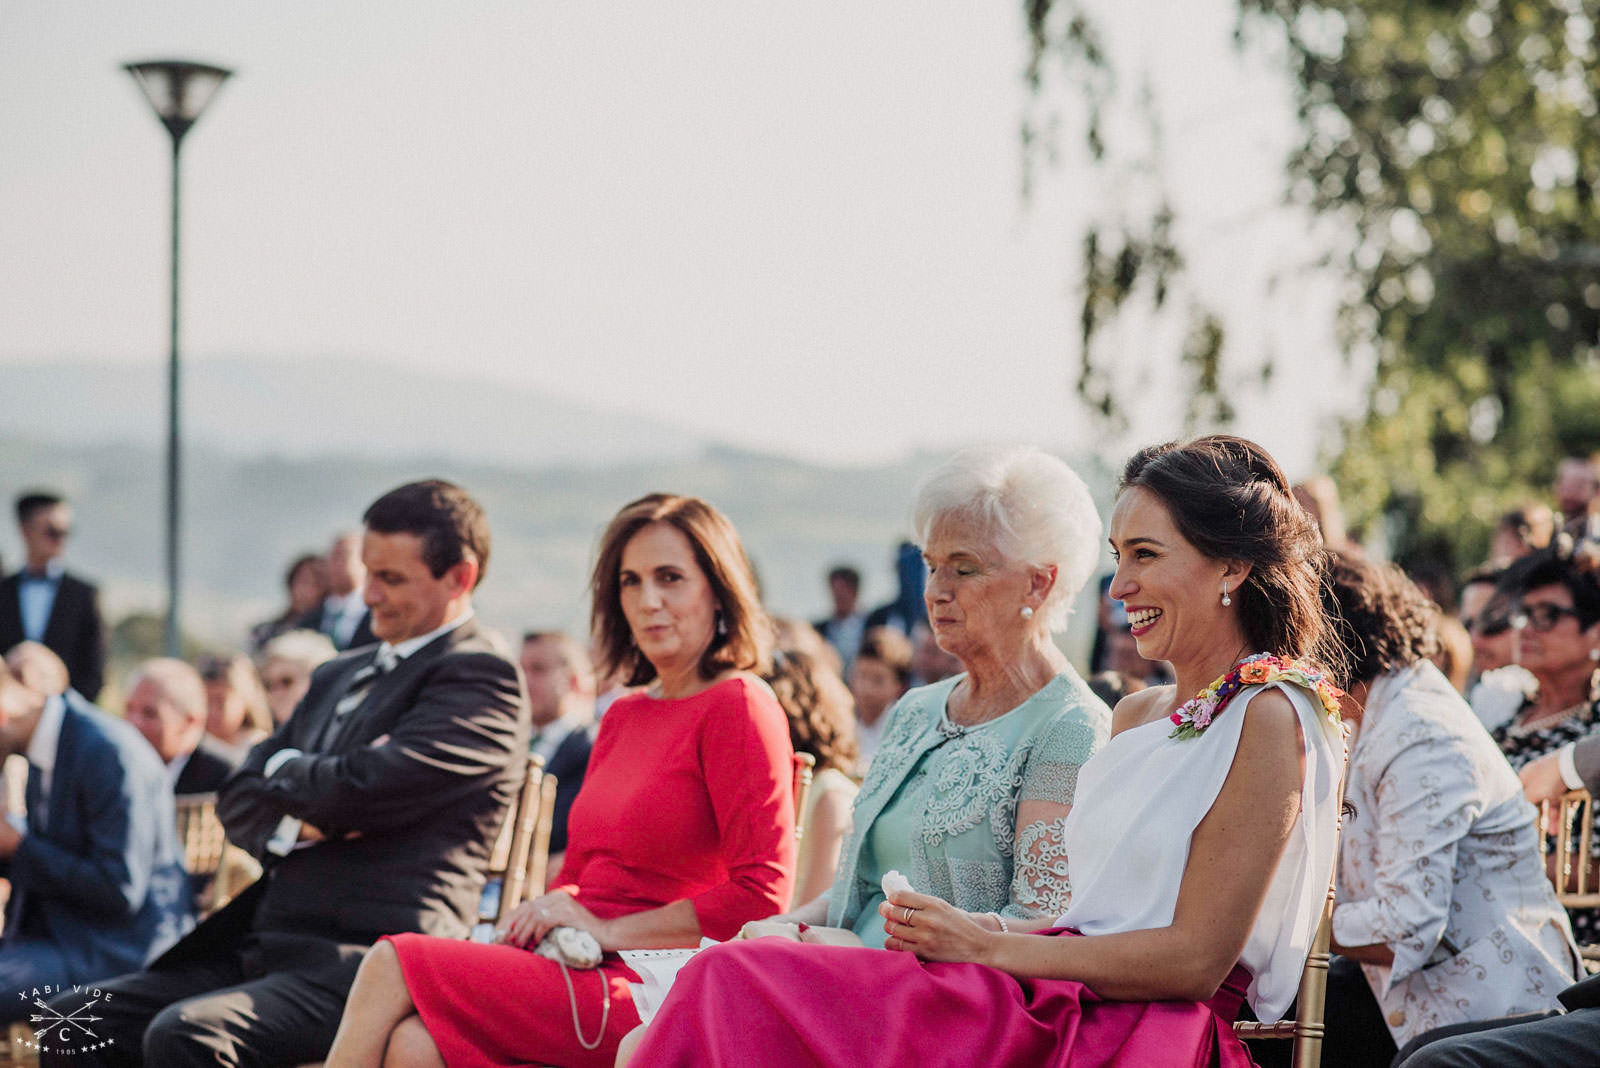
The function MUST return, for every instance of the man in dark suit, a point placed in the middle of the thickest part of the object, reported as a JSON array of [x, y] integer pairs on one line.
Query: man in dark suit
[[561, 702], [97, 880], [343, 616], [1567, 1039], [42, 603], [374, 809], [166, 702]]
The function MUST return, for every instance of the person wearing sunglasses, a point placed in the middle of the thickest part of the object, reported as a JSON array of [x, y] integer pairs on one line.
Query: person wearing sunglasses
[[1486, 619], [1554, 599], [45, 604]]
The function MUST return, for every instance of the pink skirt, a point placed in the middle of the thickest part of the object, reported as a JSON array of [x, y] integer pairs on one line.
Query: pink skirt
[[774, 1002]]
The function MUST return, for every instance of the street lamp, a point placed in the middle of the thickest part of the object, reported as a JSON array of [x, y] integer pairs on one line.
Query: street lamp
[[178, 91]]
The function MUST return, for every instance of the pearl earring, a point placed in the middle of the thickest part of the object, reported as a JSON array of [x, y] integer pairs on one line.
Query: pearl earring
[[1027, 612], [1594, 654], [1226, 600]]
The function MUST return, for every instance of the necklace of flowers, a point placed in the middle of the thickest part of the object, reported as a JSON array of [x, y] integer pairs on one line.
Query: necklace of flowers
[[1195, 715]]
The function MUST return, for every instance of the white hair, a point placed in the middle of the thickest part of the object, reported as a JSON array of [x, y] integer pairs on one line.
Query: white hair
[[177, 681], [1035, 507], [307, 648]]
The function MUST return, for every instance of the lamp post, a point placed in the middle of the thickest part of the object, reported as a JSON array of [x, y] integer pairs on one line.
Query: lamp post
[[178, 91]]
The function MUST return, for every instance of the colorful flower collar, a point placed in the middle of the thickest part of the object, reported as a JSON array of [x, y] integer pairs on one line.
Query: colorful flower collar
[[1196, 714]]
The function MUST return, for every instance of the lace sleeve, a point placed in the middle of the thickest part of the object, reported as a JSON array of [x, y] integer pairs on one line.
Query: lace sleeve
[[1064, 747], [1039, 884], [1039, 880]]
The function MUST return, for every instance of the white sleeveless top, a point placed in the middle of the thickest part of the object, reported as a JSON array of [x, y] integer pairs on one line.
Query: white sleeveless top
[[1138, 802]]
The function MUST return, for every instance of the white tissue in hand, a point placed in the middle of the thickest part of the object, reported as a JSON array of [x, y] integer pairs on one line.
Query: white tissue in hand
[[894, 883], [573, 945]]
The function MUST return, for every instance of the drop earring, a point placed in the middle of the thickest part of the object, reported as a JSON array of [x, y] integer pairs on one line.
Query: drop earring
[[1027, 611], [1226, 600], [722, 626]]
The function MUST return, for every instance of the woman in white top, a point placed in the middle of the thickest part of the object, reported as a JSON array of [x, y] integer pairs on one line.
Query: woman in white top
[[1199, 848], [1443, 914]]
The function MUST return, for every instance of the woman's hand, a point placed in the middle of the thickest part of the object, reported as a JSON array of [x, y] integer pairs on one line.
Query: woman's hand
[[532, 920], [1541, 779], [934, 929]]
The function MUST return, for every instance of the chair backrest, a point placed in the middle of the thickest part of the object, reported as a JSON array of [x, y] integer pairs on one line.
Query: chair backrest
[[804, 764], [508, 861], [1307, 1027], [200, 833], [1567, 842], [216, 866], [539, 855]]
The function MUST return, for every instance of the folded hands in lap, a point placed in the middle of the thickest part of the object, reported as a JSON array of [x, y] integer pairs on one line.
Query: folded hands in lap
[[933, 929], [531, 920]]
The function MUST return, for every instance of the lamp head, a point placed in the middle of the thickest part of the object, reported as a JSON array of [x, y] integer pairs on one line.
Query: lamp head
[[178, 90]]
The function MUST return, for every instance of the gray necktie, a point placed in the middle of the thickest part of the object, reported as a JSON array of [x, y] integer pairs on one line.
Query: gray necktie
[[362, 682]]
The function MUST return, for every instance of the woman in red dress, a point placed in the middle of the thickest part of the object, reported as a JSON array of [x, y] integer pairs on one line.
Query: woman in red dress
[[684, 827]]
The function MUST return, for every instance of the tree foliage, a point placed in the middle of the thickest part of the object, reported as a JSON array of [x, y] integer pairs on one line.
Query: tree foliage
[[1458, 145]]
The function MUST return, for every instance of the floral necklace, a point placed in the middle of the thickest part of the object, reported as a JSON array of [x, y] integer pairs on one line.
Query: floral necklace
[[1195, 715]]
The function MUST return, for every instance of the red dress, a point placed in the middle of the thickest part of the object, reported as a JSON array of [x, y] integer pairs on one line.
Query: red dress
[[686, 799]]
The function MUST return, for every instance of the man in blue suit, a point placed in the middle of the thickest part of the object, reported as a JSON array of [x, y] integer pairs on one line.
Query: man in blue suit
[[97, 879]]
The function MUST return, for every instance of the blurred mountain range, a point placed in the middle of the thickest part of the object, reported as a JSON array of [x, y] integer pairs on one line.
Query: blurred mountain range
[[303, 407], [550, 475]]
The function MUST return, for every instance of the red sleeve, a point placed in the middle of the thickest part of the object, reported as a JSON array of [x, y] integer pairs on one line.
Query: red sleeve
[[747, 761]]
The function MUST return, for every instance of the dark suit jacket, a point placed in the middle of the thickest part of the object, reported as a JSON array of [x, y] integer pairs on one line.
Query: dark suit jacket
[[313, 620], [568, 764], [74, 632], [409, 822], [208, 768], [103, 878]]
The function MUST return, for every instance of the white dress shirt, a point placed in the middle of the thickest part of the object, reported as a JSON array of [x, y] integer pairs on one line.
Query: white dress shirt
[[341, 615], [36, 599], [41, 754]]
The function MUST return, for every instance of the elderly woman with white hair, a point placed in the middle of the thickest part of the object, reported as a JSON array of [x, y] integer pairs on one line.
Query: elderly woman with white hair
[[975, 774], [287, 662]]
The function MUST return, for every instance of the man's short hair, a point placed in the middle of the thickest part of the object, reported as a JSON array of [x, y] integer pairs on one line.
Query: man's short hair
[[177, 680], [890, 648], [848, 574], [36, 501], [574, 656], [450, 523], [38, 667]]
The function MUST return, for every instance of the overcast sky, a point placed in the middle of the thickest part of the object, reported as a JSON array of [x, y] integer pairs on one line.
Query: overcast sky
[[796, 228]]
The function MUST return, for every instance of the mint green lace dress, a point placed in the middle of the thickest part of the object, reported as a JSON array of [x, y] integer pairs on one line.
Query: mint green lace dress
[[940, 805]]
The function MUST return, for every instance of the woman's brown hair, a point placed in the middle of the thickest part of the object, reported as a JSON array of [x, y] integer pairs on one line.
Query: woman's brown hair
[[821, 714], [742, 639], [1230, 500]]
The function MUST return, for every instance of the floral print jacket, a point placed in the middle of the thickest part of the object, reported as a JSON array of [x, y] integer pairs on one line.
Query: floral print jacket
[[1440, 862]]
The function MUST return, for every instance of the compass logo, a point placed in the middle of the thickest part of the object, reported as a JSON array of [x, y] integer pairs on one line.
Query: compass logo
[[70, 1028]]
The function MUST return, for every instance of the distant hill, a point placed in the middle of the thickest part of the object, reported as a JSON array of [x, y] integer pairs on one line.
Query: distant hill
[[284, 453], [305, 407], [245, 518]]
